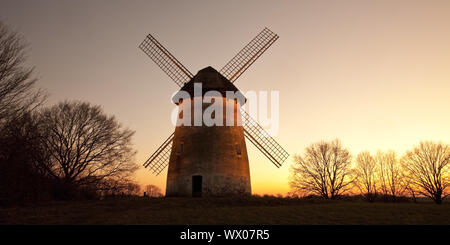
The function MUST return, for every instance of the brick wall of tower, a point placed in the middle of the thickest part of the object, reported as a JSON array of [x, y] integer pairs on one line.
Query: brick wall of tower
[[217, 153]]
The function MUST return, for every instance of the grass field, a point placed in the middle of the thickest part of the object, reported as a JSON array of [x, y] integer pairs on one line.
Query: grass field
[[227, 211]]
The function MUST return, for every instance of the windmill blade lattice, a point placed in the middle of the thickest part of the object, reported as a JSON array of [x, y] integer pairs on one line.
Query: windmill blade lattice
[[165, 60], [262, 140], [248, 55], [159, 160]]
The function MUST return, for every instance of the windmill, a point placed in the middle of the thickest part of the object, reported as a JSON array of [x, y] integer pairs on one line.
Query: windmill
[[211, 160]]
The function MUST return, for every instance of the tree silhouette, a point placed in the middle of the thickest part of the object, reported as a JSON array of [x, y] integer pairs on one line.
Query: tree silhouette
[[390, 177], [323, 170], [153, 191], [16, 83], [20, 151], [19, 135], [85, 146], [427, 167], [365, 172]]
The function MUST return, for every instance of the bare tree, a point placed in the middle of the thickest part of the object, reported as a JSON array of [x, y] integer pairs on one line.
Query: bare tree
[[365, 172], [153, 191], [324, 170], [85, 146], [16, 81], [132, 189], [408, 187], [428, 168], [19, 135], [20, 149], [114, 187], [389, 174]]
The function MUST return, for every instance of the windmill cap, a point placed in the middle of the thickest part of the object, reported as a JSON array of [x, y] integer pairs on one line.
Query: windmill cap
[[210, 80]]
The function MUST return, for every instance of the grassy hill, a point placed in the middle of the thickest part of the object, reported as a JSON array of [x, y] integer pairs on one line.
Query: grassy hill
[[224, 211]]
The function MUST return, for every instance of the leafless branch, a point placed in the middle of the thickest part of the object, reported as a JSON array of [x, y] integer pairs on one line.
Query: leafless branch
[[324, 170]]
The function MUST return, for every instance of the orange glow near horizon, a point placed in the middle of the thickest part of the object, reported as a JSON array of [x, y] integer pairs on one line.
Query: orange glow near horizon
[[373, 74]]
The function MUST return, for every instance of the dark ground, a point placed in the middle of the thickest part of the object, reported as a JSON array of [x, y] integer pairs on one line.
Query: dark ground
[[227, 211]]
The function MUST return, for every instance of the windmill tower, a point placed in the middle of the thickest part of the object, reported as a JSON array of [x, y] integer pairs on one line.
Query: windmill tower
[[207, 160]]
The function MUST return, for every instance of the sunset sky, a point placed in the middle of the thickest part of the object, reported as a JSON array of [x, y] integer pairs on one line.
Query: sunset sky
[[375, 74]]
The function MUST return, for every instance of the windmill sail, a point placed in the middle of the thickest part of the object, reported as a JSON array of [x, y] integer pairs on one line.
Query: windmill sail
[[165, 60], [159, 160], [248, 55], [262, 140]]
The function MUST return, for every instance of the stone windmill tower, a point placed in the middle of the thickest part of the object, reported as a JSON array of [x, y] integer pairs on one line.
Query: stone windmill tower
[[211, 160]]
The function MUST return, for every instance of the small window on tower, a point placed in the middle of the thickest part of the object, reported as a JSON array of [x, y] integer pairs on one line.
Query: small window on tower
[[238, 149]]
